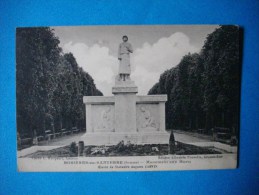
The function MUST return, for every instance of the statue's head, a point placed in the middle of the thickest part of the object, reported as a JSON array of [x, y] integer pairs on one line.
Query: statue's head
[[125, 38]]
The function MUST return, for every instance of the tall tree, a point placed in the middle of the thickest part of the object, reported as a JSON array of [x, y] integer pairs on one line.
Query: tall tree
[[220, 56], [50, 85], [37, 52], [203, 89]]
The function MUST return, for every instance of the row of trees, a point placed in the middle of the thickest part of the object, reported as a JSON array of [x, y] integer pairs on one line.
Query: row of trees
[[203, 89], [49, 84]]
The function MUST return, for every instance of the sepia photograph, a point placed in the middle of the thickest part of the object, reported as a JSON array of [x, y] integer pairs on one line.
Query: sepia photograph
[[127, 97]]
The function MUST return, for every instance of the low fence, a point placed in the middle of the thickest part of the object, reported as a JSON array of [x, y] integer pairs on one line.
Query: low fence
[[26, 141]]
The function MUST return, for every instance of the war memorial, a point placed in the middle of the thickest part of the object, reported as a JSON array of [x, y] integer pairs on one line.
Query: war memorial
[[125, 116]]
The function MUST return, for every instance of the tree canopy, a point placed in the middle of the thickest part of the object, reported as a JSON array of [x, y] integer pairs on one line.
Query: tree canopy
[[49, 84], [203, 89]]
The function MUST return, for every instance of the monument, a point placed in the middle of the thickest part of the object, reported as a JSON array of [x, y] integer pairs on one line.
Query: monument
[[125, 115]]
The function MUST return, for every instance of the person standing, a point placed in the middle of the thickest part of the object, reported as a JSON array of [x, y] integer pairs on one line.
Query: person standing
[[124, 51]]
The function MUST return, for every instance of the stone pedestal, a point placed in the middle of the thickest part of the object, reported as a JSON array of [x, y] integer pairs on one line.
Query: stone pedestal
[[125, 109], [125, 116]]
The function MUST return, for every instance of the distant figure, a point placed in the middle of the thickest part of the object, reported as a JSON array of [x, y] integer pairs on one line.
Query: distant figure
[[106, 120], [125, 49], [148, 119]]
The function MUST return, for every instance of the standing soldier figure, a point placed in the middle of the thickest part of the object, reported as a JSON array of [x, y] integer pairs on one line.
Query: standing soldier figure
[[125, 49]]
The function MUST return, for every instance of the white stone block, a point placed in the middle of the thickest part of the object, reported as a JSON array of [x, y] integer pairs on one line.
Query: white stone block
[[125, 116]]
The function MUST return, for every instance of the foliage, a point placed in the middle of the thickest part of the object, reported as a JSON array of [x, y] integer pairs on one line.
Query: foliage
[[73, 147], [49, 84], [203, 89]]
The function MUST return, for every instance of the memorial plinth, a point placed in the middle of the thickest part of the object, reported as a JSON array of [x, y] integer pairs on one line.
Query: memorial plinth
[[125, 109], [125, 116]]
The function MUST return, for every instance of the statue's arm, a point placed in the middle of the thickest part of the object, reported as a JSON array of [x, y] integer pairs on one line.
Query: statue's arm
[[130, 49]]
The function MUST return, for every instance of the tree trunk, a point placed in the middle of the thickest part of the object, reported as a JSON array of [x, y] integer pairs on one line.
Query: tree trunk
[[60, 121], [223, 119]]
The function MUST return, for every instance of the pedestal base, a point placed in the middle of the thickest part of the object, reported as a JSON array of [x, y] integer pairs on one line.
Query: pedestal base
[[114, 138]]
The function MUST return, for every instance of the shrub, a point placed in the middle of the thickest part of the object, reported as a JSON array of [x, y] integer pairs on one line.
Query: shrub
[[73, 147]]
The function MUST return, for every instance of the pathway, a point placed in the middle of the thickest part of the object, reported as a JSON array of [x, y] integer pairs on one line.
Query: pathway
[[63, 141], [188, 137]]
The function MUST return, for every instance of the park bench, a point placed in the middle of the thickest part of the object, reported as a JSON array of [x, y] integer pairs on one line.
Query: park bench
[[40, 138], [64, 132], [221, 133], [48, 135], [75, 130], [57, 134], [26, 141], [37, 139]]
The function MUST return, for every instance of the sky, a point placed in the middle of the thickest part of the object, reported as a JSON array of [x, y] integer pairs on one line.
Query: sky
[[156, 49]]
